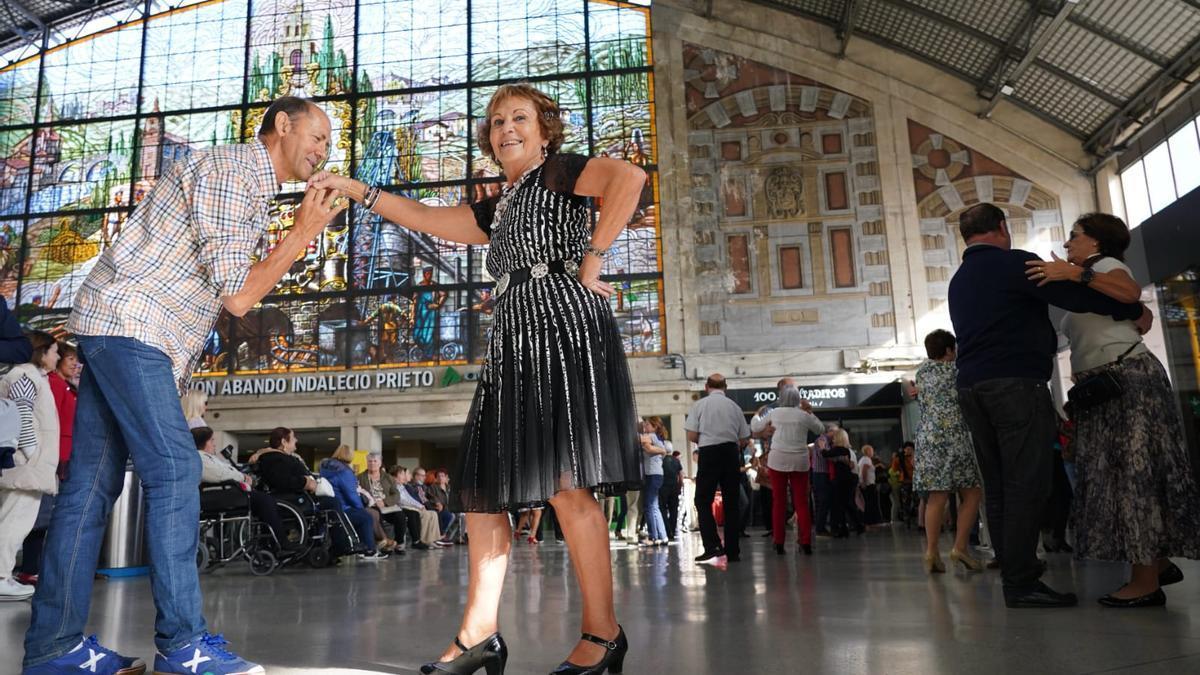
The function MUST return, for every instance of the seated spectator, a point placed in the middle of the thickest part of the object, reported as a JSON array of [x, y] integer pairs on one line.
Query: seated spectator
[[337, 471], [430, 533], [195, 404], [383, 498], [216, 469], [439, 494], [423, 491], [281, 470]]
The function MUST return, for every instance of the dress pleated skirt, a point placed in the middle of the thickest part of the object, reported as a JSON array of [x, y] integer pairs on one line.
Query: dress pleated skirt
[[1135, 498], [554, 409]]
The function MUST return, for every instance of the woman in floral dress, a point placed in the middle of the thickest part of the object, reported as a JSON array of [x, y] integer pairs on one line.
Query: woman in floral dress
[[945, 461]]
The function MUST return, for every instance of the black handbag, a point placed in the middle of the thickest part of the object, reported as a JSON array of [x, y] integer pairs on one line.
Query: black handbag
[[1100, 388]]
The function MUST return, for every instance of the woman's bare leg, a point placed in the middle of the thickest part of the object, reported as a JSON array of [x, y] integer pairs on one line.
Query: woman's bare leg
[[935, 508], [489, 540], [535, 522], [968, 515], [586, 532]]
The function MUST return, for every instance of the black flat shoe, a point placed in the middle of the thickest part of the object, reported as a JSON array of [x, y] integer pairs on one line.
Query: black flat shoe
[[1040, 596], [778, 549], [807, 548], [1155, 599], [491, 655], [1171, 575], [709, 555], [613, 661]]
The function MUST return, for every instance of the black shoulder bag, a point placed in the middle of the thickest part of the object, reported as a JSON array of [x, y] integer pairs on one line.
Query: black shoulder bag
[[1100, 388]]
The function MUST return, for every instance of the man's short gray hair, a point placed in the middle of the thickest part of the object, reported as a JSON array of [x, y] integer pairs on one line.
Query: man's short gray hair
[[789, 397]]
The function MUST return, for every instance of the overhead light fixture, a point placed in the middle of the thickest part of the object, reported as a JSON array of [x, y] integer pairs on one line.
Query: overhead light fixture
[[1007, 90], [331, 438]]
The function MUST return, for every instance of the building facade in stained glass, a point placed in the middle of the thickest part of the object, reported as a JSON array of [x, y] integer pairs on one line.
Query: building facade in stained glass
[[87, 127]]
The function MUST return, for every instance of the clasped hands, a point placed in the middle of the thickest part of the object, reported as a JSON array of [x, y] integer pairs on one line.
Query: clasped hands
[[323, 201]]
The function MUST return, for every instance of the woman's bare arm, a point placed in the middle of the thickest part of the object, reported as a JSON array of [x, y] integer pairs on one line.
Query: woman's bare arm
[[452, 223]]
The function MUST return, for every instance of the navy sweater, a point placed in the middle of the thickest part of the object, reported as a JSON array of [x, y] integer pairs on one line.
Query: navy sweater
[[1001, 318]]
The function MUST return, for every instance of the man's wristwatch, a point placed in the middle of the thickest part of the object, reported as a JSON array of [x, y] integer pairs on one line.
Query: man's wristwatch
[[1087, 275], [599, 253]]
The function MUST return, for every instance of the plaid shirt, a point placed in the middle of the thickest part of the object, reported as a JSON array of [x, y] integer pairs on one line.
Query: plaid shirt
[[188, 244]]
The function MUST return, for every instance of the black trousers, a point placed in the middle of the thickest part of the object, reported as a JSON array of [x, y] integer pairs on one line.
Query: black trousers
[[720, 466], [1013, 423], [668, 499], [822, 494], [262, 506], [843, 509]]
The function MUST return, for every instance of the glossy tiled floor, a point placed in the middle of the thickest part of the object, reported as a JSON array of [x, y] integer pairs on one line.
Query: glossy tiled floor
[[857, 606]]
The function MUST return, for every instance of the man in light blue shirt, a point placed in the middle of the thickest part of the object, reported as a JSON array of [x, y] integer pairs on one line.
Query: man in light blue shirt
[[719, 427]]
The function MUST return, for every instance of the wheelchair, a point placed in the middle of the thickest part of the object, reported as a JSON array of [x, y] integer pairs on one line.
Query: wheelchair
[[229, 531], [315, 533]]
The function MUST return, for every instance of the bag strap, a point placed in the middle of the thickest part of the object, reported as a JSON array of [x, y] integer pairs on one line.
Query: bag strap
[[1127, 351]]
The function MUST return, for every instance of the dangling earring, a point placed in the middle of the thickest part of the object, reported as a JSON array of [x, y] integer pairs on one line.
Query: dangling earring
[[543, 152]]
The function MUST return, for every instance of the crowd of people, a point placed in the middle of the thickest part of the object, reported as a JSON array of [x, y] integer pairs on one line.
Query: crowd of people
[[552, 430]]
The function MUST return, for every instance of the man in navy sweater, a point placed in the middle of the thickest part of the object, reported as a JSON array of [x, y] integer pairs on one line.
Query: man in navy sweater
[[1006, 348]]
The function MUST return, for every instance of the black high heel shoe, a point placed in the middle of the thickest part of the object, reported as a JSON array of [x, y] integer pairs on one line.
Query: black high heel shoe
[[613, 661], [491, 654]]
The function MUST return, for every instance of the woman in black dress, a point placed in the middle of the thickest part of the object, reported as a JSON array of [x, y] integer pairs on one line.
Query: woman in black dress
[[553, 418]]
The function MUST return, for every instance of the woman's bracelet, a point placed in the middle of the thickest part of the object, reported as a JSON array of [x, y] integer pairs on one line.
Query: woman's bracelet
[[370, 197]]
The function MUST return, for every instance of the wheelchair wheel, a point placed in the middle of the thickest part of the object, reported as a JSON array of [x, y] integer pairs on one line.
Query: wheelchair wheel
[[319, 557], [203, 557], [295, 532], [262, 563]]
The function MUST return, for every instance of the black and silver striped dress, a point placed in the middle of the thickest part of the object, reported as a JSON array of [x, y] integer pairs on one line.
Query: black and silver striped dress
[[554, 409]]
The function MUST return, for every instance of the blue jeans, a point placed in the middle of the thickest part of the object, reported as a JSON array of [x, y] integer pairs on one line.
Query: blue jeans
[[364, 525], [128, 407], [654, 517]]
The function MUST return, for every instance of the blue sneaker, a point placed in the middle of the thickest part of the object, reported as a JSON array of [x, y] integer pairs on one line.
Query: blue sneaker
[[205, 656], [89, 657]]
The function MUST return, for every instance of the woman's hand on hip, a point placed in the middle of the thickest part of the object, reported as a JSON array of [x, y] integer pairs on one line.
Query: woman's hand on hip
[[589, 276]]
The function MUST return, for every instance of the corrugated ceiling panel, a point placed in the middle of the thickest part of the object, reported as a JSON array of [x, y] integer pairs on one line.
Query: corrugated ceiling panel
[[1062, 100], [1164, 27], [927, 37], [1098, 61], [994, 17]]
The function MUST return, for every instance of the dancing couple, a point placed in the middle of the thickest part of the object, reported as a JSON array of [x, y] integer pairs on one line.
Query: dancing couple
[[552, 419]]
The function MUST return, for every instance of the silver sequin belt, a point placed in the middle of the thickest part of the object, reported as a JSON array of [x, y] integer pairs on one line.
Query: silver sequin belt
[[538, 271]]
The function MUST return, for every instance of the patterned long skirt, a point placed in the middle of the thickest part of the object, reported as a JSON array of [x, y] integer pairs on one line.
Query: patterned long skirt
[[1135, 497]]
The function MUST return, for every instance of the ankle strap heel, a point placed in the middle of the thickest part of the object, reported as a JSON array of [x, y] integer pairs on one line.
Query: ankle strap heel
[[491, 655], [612, 662]]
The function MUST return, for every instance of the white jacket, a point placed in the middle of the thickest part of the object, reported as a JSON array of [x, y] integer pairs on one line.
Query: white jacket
[[38, 470]]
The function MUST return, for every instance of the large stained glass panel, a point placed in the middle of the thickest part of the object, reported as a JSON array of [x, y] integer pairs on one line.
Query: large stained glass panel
[[513, 40], [88, 128], [81, 166], [405, 44], [323, 265], [301, 48], [10, 258], [191, 62], [62, 249], [18, 93], [93, 77], [414, 138]]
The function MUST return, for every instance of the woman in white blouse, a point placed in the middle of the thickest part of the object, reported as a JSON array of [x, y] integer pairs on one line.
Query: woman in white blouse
[[1135, 499], [791, 421]]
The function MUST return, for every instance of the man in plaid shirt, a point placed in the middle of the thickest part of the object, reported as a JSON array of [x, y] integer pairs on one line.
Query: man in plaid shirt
[[141, 319]]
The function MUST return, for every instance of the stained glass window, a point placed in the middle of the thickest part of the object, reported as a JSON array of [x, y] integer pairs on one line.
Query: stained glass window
[[88, 126]]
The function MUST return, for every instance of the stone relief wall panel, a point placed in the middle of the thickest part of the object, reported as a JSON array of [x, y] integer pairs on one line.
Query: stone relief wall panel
[[787, 216], [950, 177]]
